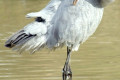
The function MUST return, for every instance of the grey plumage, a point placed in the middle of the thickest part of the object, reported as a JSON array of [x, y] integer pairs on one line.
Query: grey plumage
[[60, 23], [19, 38]]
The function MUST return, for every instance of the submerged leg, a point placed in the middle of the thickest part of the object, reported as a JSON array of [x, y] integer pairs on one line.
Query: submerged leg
[[67, 73]]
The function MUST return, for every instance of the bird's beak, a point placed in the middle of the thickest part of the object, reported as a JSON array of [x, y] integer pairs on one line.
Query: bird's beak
[[74, 2]]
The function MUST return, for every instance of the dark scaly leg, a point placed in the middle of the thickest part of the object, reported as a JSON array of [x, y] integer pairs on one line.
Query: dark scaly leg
[[67, 73]]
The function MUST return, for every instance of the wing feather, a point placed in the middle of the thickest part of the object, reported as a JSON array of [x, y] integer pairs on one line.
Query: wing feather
[[34, 35]]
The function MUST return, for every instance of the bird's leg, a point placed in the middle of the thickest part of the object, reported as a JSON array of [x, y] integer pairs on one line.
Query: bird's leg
[[67, 73]]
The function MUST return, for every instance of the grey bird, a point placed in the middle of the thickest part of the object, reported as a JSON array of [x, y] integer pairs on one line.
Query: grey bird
[[62, 22]]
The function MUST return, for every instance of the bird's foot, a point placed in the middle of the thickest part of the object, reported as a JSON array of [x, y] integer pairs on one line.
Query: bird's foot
[[67, 74]]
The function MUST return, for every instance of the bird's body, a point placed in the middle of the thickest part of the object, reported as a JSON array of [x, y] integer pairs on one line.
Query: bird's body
[[72, 25]]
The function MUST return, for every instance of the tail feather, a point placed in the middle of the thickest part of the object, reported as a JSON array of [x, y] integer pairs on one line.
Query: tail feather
[[32, 45], [18, 39], [31, 38]]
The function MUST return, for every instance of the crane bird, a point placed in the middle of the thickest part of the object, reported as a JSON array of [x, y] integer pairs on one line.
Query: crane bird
[[61, 22]]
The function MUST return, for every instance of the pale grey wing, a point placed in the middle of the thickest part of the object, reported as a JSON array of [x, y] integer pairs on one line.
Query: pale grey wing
[[31, 37], [46, 13], [34, 36]]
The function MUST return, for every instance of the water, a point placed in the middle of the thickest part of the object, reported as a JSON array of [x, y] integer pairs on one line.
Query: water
[[97, 59]]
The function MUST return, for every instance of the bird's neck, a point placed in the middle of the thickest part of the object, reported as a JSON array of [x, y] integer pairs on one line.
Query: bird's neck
[[106, 2]]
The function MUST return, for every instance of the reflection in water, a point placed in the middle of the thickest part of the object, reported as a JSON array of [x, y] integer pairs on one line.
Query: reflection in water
[[97, 59]]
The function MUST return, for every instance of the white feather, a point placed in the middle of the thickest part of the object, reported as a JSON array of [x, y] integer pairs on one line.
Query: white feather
[[39, 29], [48, 12], [72, 25]]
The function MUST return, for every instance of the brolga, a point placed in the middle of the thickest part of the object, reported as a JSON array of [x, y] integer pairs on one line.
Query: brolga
[[61, 23]]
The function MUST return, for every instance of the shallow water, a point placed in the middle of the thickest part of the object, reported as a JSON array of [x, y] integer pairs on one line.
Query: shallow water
[[97, 59]]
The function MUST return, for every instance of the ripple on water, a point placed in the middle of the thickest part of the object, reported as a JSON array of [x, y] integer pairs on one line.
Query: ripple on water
[[102, 42], [1, 34]]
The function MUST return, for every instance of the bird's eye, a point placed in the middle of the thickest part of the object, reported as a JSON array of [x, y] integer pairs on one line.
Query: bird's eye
[[39, 19]]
